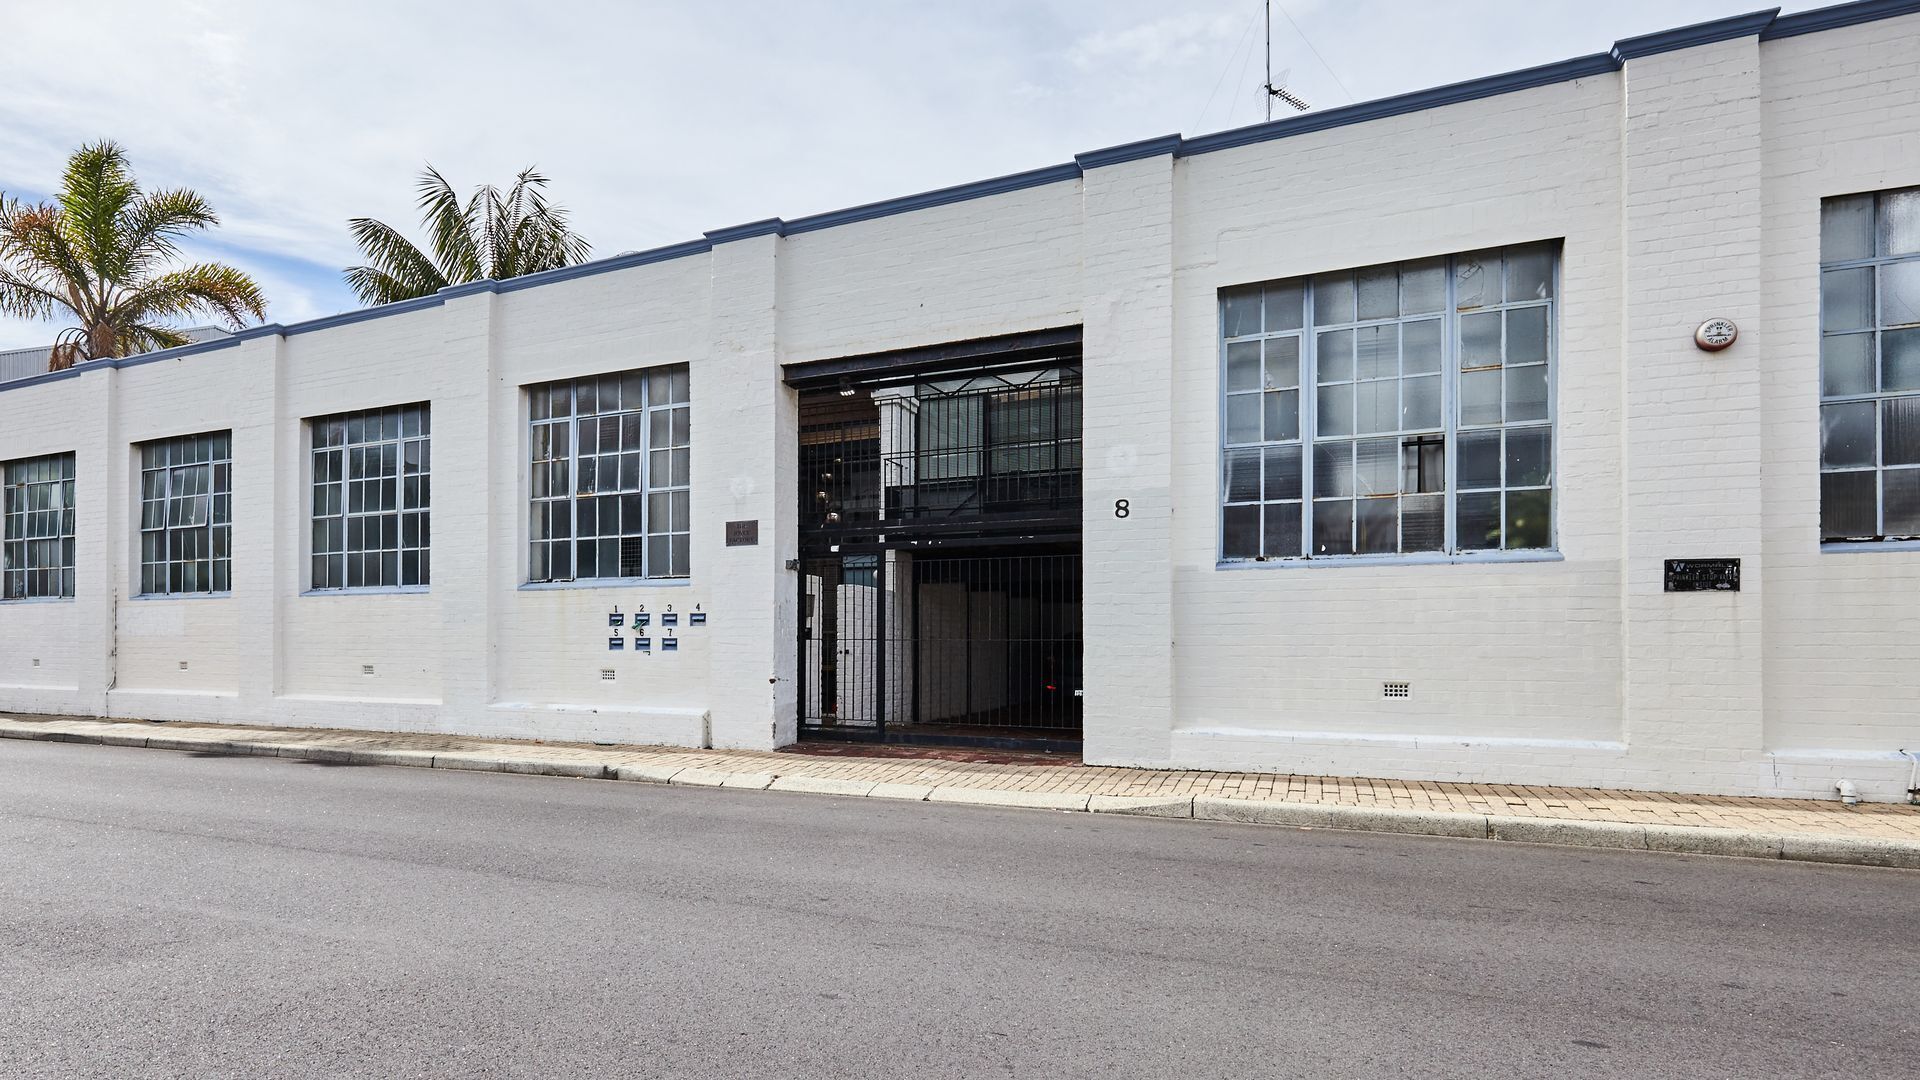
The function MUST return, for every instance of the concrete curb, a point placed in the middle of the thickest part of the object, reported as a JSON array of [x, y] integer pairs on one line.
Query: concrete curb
[[1561, 832]]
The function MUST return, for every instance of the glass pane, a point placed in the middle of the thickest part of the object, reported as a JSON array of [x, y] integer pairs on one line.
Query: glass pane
[[1420, 403], [1900, 431], [1243, 422], [1282, 538], [1480, 397], [1529, 457], [1423, 286], [1527, 336], [1282, 415], [1847, 509], [1529, 519], [1423, 522], [1378, 292], [1332, 299], [1284, 304], [1376, 352], [1333, 528], [1283, 362], [1846, 362], [1334, 356], [1899, 223], [1846, 229], [1376, 467], [1420, 347], [1476, 280], [1283, 472], [1899, 359], [1242, 315], [1243, 478], [1477, 521], [1527, 393], [1846, 434], [1479, 459], [1333, 469], [1529, 272], [1423, 464], [1480, 340], [1334, 410], [1377, 525], [1240, 532], [1899, 294], [1376, 406], [1900, 500], [1846, 299], [1243, 373]]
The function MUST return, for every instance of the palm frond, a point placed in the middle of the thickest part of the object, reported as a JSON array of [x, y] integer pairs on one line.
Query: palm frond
[[395, 270], [95, 189], [210, 288], [450, 229], [151, 224]]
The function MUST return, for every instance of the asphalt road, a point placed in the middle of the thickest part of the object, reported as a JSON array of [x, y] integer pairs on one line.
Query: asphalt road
[[164, 914]]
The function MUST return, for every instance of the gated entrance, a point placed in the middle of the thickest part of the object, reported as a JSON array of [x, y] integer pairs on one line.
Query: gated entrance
[[940, 580]]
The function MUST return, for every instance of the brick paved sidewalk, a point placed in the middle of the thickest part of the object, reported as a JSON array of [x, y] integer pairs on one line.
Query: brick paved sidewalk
[[1066, 779]]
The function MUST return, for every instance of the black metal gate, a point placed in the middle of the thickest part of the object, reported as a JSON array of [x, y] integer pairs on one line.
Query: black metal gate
[[932, 646], [940, 589]]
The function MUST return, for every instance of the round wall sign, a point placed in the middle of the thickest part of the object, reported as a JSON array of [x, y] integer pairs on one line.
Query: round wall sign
[[1715, 334]]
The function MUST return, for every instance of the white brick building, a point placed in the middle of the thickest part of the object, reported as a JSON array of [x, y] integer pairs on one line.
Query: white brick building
[[1470, 488]]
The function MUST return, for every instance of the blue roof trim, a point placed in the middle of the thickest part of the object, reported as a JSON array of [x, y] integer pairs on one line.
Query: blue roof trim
[[764, 227], [1767, 24], [625, 261], [1832, 18], [1133, 151], [1687, 37], [926, 200], [1418, 101]]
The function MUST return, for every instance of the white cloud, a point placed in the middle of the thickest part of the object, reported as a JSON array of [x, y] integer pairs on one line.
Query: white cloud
[[660, 120]]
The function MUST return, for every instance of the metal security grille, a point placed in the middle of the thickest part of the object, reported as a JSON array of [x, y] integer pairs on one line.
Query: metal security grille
[[927, 646]]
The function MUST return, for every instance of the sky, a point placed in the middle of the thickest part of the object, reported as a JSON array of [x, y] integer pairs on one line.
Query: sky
[[660, 121]]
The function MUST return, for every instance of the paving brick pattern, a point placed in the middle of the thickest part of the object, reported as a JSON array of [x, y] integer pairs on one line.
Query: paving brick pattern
[[1883, 820]]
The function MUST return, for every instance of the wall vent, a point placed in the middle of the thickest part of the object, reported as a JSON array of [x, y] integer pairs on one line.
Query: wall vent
[[607, 674], [183, 665], [36, 661], [1396, 690]]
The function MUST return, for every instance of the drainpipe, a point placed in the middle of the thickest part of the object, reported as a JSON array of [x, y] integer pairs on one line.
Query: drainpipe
[[1913, 776], [1847, 793]]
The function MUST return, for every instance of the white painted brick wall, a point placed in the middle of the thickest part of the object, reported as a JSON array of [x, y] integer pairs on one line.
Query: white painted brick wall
[[1686, 186]]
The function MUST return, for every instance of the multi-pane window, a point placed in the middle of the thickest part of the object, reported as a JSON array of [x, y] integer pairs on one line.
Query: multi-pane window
[[372, 490], [1870, 367], [186, 515], [1393, 409], [610, 456], [36, 513]]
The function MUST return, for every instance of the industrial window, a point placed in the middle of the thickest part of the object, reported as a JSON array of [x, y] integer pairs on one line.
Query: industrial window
[[186, 515], [372, 497], [609, 477], [1395, 409], [36, 511], [1870, 367]]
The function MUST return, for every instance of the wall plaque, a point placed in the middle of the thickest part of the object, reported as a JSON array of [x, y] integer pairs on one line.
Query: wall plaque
[[743, 533], [1703, 575]]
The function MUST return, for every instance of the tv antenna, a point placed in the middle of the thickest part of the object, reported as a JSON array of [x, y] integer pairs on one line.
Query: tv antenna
[[1278, 90]]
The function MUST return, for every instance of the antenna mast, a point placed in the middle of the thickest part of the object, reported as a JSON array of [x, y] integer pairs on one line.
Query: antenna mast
[[1273, 91]]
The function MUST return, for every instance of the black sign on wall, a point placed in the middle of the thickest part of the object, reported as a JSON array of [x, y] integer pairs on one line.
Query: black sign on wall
[[1703, 575], [743, 533]]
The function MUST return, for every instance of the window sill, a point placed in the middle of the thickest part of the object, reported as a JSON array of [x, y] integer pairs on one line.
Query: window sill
[[1469, 558], [372, 590], [143, 597], [36, 600], [607, 583], [1870, 545]]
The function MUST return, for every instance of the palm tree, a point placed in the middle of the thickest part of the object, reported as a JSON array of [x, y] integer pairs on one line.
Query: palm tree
[[101, 252], [490, 236]]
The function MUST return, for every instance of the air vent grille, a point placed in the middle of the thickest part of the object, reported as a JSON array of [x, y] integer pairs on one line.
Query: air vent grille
[[607, 674], [1396, 690]]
